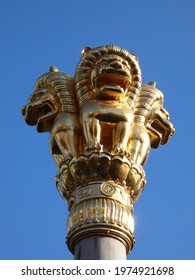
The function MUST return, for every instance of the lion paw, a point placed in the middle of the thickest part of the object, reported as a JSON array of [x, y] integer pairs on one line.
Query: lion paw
[[119, 150], [94, 147]]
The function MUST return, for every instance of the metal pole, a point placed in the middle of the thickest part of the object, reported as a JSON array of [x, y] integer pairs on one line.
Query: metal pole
[[99, 248]]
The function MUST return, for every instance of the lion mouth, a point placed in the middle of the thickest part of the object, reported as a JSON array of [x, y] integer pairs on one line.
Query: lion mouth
[[41, 115], [111, 82], [34, 113]]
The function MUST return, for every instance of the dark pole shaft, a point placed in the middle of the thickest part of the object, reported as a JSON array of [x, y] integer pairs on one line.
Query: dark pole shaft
[[100, 248]]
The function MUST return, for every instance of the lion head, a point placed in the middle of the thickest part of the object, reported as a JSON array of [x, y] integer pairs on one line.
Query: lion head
[[52, 94], [107, 73], [149, 109]]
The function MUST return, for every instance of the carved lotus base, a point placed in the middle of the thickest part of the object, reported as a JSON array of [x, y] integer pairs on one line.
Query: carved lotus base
[[101, 166]]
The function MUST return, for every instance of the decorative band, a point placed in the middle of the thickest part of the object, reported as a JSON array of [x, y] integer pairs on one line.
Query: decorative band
[[102, 190], [101, 210]]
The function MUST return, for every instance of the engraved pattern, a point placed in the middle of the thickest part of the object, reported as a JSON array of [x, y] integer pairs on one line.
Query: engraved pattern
[[107, 189]]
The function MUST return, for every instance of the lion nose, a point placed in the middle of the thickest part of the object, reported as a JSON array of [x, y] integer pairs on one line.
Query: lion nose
[[116, 65]]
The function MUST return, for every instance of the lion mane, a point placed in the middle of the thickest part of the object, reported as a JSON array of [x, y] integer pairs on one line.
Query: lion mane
[[88, 61]]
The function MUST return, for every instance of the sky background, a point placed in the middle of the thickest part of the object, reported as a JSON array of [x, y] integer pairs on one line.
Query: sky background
[[39, 33]]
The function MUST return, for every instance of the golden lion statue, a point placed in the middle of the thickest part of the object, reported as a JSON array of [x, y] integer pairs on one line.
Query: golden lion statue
[[107, 83], [52, 107], [104, 107], [151, 126]]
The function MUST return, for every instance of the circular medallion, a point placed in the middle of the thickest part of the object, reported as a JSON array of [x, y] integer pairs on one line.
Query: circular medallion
[[107, 189]]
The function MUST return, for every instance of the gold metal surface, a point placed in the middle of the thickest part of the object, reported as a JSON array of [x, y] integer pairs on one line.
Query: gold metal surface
[[102, 123]]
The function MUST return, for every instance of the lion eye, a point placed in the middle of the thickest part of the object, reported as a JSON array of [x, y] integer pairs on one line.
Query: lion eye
[[103, 62], [36, 96]]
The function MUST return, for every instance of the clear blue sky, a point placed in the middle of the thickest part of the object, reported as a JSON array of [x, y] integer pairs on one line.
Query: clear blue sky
[[39, 33]]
